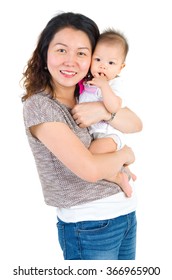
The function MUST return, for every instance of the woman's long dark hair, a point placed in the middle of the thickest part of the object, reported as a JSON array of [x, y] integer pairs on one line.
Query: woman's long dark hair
[[36, 77]]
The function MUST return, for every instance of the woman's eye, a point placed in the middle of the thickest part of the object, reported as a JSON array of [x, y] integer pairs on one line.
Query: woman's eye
[[81, 54], [61, 50]]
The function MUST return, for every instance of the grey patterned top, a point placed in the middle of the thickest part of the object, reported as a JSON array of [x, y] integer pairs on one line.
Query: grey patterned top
[[61, 187]]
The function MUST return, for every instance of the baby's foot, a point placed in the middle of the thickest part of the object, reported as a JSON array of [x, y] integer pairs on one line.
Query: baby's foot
[[124, 184], [129, 173]]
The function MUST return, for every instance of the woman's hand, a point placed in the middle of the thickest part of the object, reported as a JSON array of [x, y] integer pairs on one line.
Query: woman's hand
[[130, 157], [86, 114]]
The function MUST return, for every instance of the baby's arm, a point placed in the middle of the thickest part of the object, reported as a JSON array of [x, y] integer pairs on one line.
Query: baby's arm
[[111, 101], [86, 114]]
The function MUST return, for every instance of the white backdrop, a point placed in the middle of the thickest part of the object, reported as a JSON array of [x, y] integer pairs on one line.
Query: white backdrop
[[28, 233]]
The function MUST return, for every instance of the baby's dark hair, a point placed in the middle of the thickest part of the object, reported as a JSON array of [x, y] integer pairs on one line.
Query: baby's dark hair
[[113, 36]]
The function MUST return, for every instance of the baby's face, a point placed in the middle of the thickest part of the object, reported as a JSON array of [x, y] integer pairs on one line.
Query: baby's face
[[107, 60]]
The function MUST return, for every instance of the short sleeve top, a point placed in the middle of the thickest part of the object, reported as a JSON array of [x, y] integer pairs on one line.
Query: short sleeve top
[[61, 187]]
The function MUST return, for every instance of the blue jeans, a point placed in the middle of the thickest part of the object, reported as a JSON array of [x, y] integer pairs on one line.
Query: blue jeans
[[113, 239]]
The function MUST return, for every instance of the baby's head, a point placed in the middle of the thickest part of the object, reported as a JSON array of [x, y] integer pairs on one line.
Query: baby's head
[[110, 54], [114, 39]]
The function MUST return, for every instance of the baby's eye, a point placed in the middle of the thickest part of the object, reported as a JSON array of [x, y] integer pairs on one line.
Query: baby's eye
[[97, 59], [111, 63]]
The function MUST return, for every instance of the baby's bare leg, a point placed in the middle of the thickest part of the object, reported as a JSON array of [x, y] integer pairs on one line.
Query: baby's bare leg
[[103, 145], [107, 145]]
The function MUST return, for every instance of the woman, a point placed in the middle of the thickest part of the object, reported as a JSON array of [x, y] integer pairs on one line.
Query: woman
[[95, 219]]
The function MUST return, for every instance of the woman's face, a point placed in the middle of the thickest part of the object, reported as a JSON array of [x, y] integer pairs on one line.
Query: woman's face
[[69, 57]]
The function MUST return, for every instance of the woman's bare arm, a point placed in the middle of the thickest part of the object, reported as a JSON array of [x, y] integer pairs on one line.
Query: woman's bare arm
[[89, 113], [68, 148], [127, 121]]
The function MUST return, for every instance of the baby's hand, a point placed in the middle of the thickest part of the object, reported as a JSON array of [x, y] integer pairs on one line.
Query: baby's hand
[[99, 80]]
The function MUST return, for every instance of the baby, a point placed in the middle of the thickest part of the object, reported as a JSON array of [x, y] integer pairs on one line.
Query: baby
[[107, 62]]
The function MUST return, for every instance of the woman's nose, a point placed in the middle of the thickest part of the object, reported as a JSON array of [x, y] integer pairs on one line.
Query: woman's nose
[[70, 59]]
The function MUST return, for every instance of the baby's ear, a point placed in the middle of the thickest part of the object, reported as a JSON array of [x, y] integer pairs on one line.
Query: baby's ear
[[122, 65]]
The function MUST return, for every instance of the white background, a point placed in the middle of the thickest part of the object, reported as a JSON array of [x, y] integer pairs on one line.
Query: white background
[[28, 227]]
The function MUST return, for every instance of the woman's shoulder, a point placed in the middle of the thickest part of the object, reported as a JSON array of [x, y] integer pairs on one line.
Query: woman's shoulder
[[38, 97], [38, 101], [40, 108]]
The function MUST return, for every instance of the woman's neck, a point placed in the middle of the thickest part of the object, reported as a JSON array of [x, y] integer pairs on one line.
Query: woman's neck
[[65, 97]]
